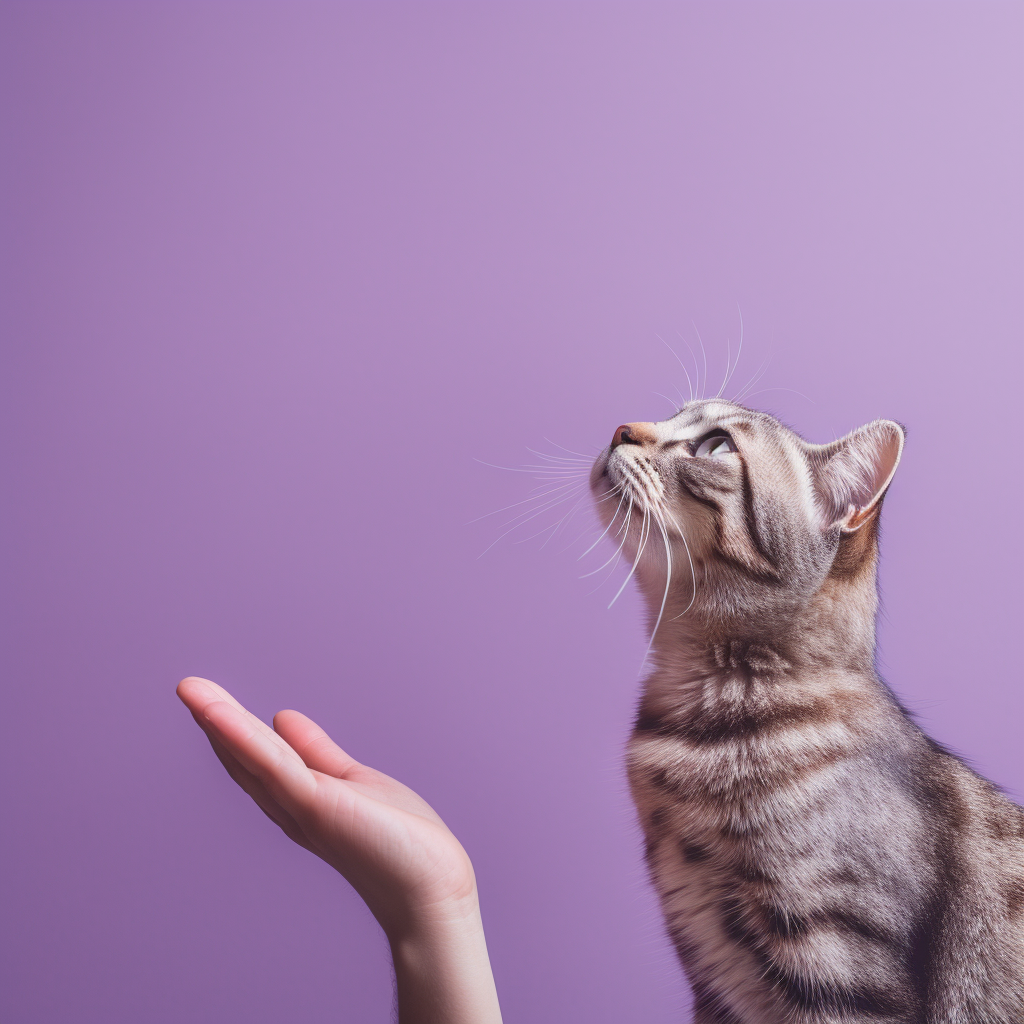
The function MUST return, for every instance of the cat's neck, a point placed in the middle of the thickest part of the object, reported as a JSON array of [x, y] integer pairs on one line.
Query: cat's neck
[[831, 632]]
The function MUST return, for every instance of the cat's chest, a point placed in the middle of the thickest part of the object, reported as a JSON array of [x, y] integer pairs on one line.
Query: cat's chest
[[720, 806], [736, 751], [736, 784]]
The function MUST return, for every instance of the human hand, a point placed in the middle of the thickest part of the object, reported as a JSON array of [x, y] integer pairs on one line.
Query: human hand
[[398, 854], [387, 841]]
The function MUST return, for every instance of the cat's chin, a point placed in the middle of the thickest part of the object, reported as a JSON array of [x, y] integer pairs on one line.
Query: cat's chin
[[599, 478], [603, 487]]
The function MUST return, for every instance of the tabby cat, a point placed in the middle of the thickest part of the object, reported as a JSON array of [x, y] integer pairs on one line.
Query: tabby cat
[[817, 857]]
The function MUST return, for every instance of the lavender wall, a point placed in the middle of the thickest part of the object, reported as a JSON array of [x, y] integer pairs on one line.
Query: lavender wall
[[275, 275]]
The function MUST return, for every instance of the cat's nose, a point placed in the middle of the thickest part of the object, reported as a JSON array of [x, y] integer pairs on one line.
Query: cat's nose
[[635, 433]]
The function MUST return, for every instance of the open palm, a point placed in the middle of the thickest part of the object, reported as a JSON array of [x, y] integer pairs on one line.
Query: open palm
[[385, 839]]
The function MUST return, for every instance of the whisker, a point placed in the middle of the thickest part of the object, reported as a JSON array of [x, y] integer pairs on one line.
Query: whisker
[[548, 503], [664, 596], [644, 526], [604, 533], [530, 515], [624, 530], [535, 497], [557, 458], [618, 552], [518, 469], [728, 363], [765, 363], [689, 558], [609, 574], [569, 450], [564, 521], [795, 392], [739, 352], [689, 383], [696, 365], [561, 467], [553, 503], [704, 354]]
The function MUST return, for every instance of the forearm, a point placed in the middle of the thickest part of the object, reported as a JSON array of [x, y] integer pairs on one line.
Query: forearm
[[443, 974]]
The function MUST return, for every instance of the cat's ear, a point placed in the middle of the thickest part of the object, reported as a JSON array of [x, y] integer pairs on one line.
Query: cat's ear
[[851, 475]]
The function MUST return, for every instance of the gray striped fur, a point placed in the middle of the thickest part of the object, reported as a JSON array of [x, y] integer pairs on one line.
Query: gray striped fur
[[818, 858]]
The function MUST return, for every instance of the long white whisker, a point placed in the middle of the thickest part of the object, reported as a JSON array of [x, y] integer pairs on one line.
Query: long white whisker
[[765, 363], [624, 530], [704, 354], [664, 596], [535, 497], [671, 401], [739, 352], [689, 558], [728, 366], [569, 450], [559, 467], [609, 574], [518, 469], [555, 470], [550, 502], [689, 383], [530, 514], [563, 526], [604, 533], [795, 392], [567, 518], [696, 365], [557, 458], [644, 533]]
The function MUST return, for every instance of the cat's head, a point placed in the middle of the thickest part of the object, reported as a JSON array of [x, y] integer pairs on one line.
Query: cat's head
[[751, 518]]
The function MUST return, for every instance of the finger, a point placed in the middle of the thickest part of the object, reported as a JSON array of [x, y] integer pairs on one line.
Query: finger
[[259, 795], [313, 745], [196, 693], [255, 789], [196, 689], [273, 762], [322, 754]]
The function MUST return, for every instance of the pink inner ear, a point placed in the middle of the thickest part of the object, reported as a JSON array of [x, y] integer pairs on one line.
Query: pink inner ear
[[858, 472], [887, 453]]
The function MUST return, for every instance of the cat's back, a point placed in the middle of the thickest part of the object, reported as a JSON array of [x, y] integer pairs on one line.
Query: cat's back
[[976, 968]]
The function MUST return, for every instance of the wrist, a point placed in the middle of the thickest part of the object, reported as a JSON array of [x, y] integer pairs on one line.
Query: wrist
[[442, 971], [449, 917]]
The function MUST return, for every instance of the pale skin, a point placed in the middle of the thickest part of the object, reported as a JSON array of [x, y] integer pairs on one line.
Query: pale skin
[[392, 847]]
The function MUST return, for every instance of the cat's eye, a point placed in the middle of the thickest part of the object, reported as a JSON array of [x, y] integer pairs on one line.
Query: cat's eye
[[716, 446]]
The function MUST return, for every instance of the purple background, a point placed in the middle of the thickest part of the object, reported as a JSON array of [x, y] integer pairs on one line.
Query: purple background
[[275, 275]]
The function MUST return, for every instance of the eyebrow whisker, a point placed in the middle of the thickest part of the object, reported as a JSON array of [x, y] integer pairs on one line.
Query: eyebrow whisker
[[739, 352], [704, 355], [689, 383], [765, 363]]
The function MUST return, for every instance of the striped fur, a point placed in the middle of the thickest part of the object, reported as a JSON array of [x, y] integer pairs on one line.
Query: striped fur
[[818, 858]]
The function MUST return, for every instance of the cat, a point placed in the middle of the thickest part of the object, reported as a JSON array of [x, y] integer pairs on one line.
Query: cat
[[817, 857]]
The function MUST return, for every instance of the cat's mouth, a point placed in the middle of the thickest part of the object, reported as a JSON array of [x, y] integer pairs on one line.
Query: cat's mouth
[[632, 475]]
